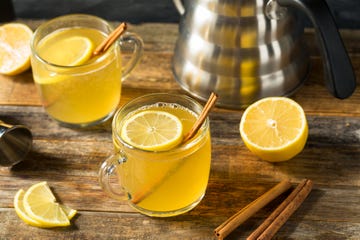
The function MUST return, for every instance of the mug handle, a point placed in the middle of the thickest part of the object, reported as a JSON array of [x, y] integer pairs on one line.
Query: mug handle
[[137, 48], [179, 6], [108, 170]]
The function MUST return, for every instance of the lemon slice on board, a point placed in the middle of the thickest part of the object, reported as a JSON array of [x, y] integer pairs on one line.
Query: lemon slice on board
[[14, 48], [152, 130], [19, 208], [40, 205], [274, 128], [70, 213], [69, 51], [22, 213]]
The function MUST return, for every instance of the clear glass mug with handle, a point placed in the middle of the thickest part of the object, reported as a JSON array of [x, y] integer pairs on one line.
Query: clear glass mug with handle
[[159, 183], [77, 89]]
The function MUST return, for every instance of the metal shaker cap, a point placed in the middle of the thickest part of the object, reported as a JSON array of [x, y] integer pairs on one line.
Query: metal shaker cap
[[15, 143]]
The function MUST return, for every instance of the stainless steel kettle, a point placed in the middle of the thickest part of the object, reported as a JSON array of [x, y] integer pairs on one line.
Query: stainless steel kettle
[[245, 50]]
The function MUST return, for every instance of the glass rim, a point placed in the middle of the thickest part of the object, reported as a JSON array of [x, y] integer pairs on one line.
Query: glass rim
[[176, 150], [56, 19]]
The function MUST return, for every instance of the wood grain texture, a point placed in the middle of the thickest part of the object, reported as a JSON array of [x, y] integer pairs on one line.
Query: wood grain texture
[[69, 160]]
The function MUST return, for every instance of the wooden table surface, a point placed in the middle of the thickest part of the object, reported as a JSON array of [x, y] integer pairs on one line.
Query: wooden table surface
[[69, 160]]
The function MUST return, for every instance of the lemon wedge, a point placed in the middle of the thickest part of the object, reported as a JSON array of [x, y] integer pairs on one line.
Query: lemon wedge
[[19, 208], [14, 48], [38, 207], [20, 211], [70, 213], [274, 128], [65, 51], [152, 130]]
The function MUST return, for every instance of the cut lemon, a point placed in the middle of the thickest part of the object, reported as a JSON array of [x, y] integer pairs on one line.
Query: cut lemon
[[21, 212], [70, 213], [19, 208], [40, 205], [65, 51], [274, 128], [14, 48], [152, 130]]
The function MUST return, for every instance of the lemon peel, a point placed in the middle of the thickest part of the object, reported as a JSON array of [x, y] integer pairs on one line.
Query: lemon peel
[[274, 128]]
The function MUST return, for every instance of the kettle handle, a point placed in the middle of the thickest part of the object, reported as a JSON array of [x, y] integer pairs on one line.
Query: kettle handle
[[340, 76], [179, 6]]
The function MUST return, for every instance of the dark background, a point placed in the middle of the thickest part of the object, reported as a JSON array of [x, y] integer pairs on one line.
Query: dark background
[[346, 12]]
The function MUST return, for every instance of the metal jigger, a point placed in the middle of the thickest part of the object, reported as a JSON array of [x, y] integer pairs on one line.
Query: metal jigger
[[15, 143]]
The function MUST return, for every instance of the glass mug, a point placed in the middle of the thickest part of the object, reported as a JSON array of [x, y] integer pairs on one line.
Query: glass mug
[[163, 183], [88, 93]]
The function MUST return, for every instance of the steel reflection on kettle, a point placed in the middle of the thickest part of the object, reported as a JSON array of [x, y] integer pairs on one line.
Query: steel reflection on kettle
[[245, 50]]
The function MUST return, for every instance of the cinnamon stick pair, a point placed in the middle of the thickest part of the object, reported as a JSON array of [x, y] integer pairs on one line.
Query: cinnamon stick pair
[[280, 215]]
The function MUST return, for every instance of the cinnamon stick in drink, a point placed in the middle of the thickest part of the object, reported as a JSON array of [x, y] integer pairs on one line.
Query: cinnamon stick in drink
[[110, 39], [205, 112]]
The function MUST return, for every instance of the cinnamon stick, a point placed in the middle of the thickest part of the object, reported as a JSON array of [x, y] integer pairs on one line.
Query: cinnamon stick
[[254, 235], [203, 115], [110, 39], [234, 221], [302, 191]]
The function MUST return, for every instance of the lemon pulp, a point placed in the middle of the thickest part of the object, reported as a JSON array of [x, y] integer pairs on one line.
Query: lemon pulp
[[274, 128], [38, 207], [60, 49], [153, 130], [14, 48]]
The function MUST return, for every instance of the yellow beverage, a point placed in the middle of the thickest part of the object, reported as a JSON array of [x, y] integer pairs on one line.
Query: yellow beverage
[[170, 182], [83, 93]]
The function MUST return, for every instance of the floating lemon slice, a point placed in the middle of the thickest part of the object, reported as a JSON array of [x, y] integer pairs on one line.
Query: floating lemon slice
[[14, 48], [274, 128], [38, 207], [152, 130], [65, 51]]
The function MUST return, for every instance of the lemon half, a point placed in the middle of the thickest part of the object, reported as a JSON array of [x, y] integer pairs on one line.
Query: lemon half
[[274, 128], [14, 48]]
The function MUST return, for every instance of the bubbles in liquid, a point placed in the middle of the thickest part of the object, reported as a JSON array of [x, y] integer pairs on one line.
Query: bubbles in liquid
[[166, 106], [186, 116]]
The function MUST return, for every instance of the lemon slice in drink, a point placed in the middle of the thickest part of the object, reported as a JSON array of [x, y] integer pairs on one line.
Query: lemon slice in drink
[[274, 128], [152, 130], [14, 48], [66, 51], [40, 205]]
